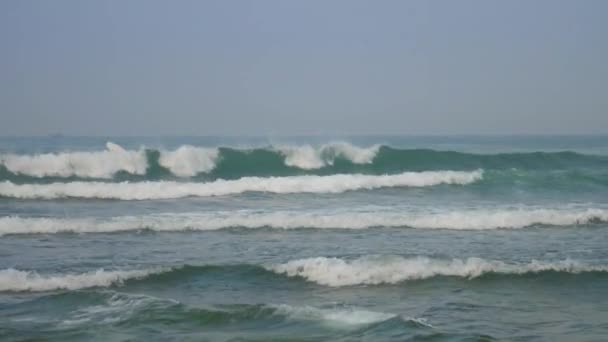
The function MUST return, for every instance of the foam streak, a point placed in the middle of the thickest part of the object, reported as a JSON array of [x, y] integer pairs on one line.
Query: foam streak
[[468, 219], [374, 270], [280, 185], [16, 280]]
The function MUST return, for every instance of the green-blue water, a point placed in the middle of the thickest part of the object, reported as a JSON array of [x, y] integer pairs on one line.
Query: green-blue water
[[304, 239]]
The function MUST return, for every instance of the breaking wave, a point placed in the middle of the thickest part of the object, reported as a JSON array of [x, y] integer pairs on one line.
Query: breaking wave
[[100, 164], [374, 270], [307, 157], [334, 272], [189, 161], [115, 307], [185, 161], [464, 219], [210, 163], [280, 185]]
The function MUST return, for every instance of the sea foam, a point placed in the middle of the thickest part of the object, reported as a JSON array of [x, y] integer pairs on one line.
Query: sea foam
[[98, 164], [17, 280], [335, 272], [463, 219], [308, 157], [188, 161], [374, 270], [119, 306], [185, 161], [281, 185], [334, 316]]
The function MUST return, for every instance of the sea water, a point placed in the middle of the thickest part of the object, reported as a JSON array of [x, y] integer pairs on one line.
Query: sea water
[[304, 238]]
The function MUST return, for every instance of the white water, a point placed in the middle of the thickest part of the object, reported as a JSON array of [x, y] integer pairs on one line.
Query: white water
[[308, 157], [188, 161], [374, 270], [464, 219], [282, 185], [368, 270], [16, 280], [99, 164]]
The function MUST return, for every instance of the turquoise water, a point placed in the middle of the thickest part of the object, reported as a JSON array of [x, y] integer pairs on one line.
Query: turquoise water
[[304, 239]]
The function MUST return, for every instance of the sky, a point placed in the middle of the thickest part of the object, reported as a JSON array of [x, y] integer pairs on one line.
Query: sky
[[281, 67]]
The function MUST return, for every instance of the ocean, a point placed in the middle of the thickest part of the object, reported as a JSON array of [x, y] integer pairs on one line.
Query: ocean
[[369, 238]]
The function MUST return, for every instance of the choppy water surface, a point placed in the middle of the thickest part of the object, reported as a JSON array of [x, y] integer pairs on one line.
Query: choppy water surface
[[304, 239]]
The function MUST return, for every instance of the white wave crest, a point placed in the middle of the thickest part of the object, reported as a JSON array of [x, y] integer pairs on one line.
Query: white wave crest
[[282, 185], [16, 280], [188, 161], [99, 164], [308, 157], [374, 270], [468, 219], [303, 157]]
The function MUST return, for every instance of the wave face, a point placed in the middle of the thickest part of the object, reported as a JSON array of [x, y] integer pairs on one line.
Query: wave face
[[462, 220], [278, 185], [374, 270], [209, 163]]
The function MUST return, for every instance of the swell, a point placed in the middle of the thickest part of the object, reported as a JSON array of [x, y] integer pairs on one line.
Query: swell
[[470, 219], [210, 163], [333, 272]]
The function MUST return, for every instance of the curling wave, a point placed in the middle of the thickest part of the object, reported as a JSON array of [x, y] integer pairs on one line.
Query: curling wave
[[99, 164], [210, 163], [280, 185], [308, 157], [189, 161], [186, 161], [464, 219], [374, 270]]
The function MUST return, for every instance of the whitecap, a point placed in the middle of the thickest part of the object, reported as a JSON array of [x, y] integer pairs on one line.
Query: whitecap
[[280, 185]]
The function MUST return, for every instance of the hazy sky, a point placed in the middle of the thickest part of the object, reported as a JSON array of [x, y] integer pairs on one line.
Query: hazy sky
[[303, 67]]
